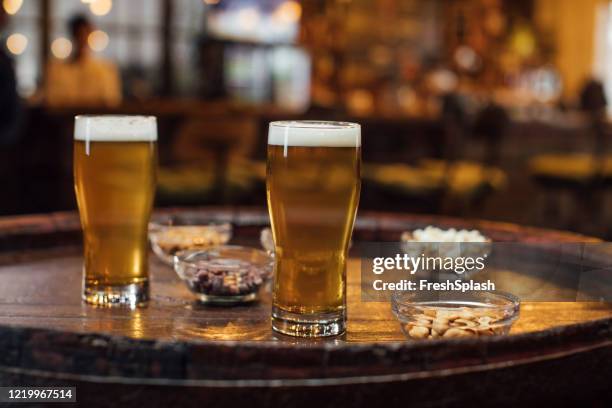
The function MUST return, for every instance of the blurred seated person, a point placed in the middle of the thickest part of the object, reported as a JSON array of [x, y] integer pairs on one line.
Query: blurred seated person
[[593, 101], [9, 99], [593, 97], [82, 79]]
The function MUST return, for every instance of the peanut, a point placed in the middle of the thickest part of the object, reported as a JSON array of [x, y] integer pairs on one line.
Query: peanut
[[456, 332], [464, 322], [418, 332], [440, 325]]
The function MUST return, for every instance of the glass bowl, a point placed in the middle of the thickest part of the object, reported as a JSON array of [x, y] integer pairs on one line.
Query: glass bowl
[[267, 241], [173, 235], [224, 274], [452, 314], [451, 243]]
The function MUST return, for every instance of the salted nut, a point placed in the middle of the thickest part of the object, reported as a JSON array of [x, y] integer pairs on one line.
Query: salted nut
[[179, 238], [462, 322]]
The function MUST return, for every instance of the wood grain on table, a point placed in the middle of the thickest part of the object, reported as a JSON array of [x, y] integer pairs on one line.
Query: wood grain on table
[[45, 293]]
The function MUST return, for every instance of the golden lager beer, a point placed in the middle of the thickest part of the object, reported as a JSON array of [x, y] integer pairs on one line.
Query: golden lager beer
[[114, 176], [313, 185]]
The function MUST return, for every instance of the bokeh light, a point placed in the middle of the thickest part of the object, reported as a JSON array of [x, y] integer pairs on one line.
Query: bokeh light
[[101, 7], [97, 40], [212, 2], [248, 18], [61, 48], [12, 6], [288, 12], [17, 43]]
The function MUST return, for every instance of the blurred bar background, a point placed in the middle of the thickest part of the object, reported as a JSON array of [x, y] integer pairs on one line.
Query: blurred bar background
[[493, 109]]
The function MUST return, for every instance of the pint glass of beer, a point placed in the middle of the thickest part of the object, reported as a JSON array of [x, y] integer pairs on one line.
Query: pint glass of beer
[[313, 184], [115, 160]]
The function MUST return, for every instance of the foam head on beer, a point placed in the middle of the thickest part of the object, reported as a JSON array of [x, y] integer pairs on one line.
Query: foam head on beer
[[115, 128], [314, 134]]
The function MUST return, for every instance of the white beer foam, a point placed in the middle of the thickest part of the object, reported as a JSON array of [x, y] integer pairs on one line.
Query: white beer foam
[[314, 134], [109, 128]]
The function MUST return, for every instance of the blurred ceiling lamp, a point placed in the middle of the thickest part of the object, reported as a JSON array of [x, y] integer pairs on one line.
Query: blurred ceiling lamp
[[101, 7], [248, 18], [16, 43], [61, 48], [87, 1], [12, 6], [288, 12], [97, 40], [212, 2]]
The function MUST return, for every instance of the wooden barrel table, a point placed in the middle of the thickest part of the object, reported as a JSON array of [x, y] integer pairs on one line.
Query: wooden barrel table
[[175, 352]]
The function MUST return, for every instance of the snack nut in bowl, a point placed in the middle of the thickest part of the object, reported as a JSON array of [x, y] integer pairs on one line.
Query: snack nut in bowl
[[425, 315], [267, 241], [224, 275], [173, 235], [432, 241]]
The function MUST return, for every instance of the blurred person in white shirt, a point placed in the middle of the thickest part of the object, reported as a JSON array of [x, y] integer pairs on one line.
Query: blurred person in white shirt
[[82, 79]]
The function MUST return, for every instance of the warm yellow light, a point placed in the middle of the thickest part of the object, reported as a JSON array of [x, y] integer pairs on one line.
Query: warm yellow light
[[61, 48], [288, 12], [101, 7], [87, 1], [97, 40], [12, 6], [212, 2], [17, 43], [523, 42]]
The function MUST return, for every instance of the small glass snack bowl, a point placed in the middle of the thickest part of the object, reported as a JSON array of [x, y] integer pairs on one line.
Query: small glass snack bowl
[[452, 314], [224, 274], [173, 235]]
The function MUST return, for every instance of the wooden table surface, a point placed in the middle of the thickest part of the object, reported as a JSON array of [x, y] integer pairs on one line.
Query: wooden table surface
[[48, 335], [42, 289], [45, 293]]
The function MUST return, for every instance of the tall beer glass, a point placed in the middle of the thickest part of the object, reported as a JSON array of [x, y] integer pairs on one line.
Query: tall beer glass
[[313, 185], [115, 161]]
